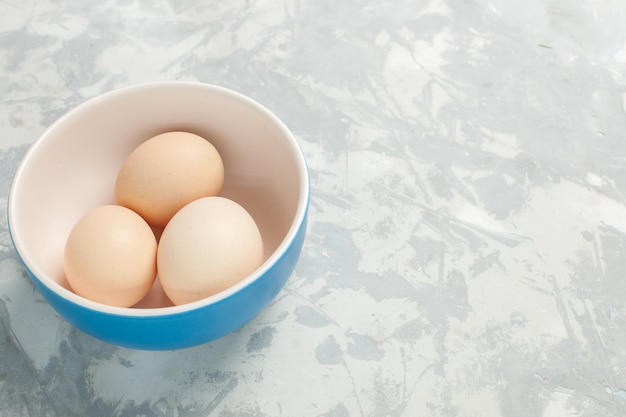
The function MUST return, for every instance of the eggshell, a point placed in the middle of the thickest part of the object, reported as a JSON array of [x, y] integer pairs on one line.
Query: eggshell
[[165, 173], [208, 246], [110, 256]]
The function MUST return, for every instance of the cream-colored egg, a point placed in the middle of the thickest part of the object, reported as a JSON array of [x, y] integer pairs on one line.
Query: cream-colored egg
[[110, 256], [165, 173], [208, 246]]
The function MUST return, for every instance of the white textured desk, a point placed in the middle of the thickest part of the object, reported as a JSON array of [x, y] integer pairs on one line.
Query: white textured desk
[[465, 254]]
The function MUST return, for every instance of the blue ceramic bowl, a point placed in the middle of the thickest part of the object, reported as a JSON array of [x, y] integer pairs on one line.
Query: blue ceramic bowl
[[72, 168]]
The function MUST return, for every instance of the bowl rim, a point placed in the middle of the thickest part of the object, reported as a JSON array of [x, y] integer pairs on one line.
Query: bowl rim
[[297, 222]]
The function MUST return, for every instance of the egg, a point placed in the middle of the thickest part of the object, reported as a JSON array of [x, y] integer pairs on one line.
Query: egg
[[166, 172], [110, 256], [208, 246]]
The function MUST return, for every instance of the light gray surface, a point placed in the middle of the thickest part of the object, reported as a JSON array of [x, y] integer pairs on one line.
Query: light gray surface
[[465, 254]]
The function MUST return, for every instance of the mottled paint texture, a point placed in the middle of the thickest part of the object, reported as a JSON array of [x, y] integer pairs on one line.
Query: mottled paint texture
[[465, 254]]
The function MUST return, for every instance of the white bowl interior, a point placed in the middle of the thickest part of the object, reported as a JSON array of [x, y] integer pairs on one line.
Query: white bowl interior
[[73, 166]]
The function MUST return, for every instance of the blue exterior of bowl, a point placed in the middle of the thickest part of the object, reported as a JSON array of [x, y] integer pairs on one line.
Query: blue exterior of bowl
[[183, 329], [177, 327]]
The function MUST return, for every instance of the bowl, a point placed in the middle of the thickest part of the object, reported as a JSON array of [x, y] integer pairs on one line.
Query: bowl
[[72, 168]]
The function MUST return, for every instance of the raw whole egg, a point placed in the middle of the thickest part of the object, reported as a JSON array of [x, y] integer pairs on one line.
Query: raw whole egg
[[209, 245], [110, 256], [165, 173]]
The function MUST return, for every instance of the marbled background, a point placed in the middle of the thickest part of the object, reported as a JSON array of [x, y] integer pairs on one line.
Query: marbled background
[[468, 215]]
